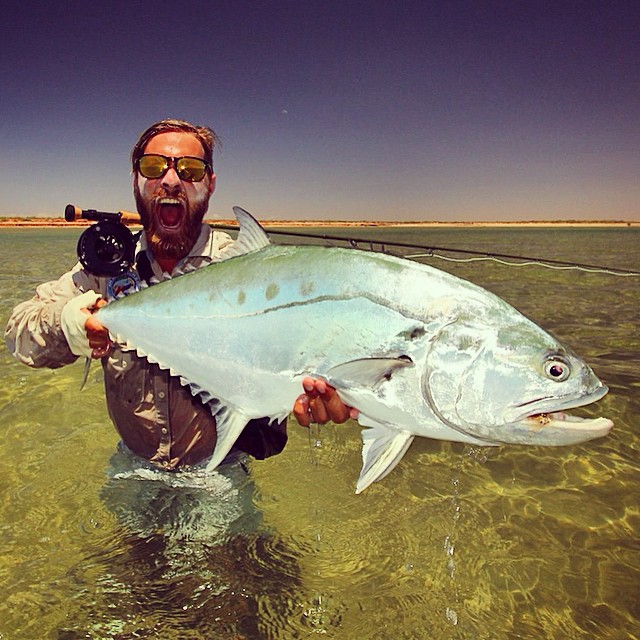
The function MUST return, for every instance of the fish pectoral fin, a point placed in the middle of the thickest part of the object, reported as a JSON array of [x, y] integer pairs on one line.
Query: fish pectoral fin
[[229, 425], [382, 449], [366, 372]]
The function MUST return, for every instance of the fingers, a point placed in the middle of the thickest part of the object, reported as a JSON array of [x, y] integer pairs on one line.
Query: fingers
[[98, 336], [301, 411], [321, 403], [335, 409], [100, 352], [319, 410]]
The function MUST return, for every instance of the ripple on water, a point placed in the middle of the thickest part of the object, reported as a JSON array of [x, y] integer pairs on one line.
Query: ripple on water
[[456, 542]]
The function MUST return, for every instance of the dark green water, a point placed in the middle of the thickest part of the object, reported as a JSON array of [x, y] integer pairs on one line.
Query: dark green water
[[458, 542]]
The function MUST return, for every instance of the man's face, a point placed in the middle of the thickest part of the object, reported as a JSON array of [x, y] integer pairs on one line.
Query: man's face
[[172, 209]]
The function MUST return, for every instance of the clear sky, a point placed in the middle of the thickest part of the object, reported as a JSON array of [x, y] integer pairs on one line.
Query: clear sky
[[407, 110]]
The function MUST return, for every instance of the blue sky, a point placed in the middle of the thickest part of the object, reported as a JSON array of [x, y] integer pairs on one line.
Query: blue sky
[[332, 110]]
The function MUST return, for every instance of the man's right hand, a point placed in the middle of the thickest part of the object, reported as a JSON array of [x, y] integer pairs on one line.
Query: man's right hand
[[97, 334], [84, 334]]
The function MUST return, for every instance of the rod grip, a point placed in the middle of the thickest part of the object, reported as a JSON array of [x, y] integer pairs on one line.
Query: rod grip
[[130, 216], [72, 213]]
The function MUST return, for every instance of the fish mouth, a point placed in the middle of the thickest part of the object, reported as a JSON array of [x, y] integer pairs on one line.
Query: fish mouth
[[594, 427], [546, 423], [170, 213]]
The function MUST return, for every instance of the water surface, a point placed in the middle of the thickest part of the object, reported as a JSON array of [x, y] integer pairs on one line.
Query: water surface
[[457, 542]]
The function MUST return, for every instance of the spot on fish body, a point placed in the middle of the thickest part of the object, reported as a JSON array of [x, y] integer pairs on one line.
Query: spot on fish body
[[242, 296], [271, 291], [412, 334], [467, 342], [307, 288]]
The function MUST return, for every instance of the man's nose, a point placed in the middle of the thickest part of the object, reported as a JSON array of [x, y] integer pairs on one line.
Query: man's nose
[[171, 181]]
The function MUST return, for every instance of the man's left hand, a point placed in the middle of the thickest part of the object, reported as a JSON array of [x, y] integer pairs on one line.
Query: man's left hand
[[321, 403]]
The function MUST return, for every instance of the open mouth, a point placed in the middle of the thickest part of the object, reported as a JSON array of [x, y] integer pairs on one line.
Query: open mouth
[[547, 423], [170, 212], [558, 419]]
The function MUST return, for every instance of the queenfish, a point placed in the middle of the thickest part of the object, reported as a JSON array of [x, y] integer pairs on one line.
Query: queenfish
[[418, 351]]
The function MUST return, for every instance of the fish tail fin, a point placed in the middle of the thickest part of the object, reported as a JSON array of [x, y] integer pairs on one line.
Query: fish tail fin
[[382, 449]]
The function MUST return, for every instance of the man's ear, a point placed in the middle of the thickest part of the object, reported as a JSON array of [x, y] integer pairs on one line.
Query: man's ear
[[212, 183]]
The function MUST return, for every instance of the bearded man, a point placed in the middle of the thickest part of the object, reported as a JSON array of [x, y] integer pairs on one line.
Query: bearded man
[[157, 418]]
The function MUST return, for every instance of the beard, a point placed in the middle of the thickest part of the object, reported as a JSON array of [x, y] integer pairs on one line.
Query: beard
[[175, 241]]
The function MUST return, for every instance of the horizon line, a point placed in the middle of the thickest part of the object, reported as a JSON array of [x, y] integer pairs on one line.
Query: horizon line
[[56, 221]]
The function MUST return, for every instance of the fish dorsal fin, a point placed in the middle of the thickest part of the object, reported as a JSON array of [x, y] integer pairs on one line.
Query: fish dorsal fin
[[366, 372], [251, 237], [382, 449]]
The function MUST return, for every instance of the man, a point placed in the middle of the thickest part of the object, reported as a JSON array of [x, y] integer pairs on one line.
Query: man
[[157, 418]]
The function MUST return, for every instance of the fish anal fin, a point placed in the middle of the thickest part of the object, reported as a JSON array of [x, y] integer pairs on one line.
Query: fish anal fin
[[382, 449], [229, 425], [366, 372]]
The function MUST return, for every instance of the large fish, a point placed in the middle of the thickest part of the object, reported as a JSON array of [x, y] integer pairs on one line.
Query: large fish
[[418, 351]]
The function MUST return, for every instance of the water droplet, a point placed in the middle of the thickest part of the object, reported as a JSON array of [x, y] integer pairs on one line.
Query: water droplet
[[452, 616]]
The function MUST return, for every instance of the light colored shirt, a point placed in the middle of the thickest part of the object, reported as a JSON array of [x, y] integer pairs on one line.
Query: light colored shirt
[[156, 417]]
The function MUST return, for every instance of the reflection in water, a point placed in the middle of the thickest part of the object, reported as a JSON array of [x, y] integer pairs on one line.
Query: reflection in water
[[191, 505], [189, 549], [135, 598]]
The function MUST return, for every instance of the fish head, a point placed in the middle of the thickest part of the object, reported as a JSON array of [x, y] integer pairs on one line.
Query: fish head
[[510, 383]]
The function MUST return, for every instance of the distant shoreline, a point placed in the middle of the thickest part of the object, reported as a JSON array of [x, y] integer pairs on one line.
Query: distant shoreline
[[39, 223]]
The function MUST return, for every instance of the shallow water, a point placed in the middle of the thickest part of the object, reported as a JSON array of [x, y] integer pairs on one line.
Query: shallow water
[[457, 542]]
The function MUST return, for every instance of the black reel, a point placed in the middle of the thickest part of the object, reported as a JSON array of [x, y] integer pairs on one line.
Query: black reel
[[106, 248]]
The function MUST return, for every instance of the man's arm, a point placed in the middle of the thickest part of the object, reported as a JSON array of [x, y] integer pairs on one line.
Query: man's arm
[[35, 332]]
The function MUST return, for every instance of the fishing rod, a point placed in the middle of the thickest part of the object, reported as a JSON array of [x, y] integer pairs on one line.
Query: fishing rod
[[106, 247], [429, 251]]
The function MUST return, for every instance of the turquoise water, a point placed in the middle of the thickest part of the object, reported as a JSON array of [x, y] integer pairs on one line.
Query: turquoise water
[[458, 542]]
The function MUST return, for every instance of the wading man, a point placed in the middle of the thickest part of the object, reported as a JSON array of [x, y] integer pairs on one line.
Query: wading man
[[158, 419]]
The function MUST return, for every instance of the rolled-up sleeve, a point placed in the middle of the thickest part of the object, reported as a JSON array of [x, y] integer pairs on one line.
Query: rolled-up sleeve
[[33, 333]]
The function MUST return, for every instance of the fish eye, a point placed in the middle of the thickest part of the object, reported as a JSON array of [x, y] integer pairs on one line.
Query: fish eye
[[557, 369]]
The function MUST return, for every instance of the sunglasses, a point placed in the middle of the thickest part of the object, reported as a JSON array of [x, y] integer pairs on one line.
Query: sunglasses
[[188, 168]]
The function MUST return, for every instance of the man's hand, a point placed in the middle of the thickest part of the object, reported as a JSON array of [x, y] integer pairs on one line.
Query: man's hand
[[321, 403], [85, 335], [97, 334]]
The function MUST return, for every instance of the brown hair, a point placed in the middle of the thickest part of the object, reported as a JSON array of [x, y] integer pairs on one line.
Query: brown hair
[[207, 137]]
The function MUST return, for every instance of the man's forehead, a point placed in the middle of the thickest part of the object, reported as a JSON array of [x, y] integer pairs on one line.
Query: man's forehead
[[175, 144]]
